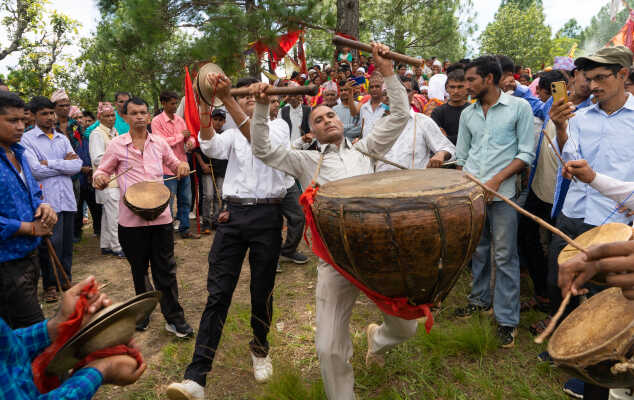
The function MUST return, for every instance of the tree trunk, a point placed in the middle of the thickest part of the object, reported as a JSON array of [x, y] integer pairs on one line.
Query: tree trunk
[[348, 18]]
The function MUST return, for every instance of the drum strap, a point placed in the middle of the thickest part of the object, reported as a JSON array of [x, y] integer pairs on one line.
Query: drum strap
[[398, 307]]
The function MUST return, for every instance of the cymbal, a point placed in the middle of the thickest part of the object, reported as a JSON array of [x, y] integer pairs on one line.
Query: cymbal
[[204, 91], [112, 326]]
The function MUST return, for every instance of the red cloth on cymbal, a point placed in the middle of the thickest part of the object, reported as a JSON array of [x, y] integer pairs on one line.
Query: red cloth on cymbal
[[396, 306], [46, 382]]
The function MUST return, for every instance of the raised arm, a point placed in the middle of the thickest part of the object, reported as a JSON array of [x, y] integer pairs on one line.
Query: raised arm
[[222, 85]]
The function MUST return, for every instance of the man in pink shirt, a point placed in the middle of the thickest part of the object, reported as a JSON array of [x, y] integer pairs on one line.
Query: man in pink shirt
[[146, 242], [174, 130]]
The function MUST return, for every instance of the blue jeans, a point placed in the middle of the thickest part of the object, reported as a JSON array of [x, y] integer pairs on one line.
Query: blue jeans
[[500, 229], [181, 189]]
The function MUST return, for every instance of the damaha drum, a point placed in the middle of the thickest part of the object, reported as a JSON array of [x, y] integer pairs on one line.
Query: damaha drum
[[148, 200], [402, 233], [596, 341]]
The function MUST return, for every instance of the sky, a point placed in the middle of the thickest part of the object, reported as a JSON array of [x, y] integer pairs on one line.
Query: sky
[[557, 13]]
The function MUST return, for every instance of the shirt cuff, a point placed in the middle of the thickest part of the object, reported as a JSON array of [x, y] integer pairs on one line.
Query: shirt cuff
[[600, 183], [12, 226], [527, 158], [520, 90], [53, 164], [86, 380]]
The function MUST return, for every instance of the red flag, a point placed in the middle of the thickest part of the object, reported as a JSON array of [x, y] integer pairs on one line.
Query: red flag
[[278, 50], [192, 119], [625, 36], [301, 55]]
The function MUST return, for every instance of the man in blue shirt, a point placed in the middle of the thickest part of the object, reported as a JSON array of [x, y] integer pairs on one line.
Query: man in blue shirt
[[495, 143], [602, 135], [24, 218], [18, 348]]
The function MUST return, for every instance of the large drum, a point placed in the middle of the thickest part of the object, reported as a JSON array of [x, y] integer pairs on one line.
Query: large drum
[[148, 200], [402, 233], [596, 337]]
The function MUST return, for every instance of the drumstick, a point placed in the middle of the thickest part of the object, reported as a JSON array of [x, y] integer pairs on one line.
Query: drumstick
[[561, 160], [553, 321], [116, 176], [449, 162], [175, 177], [344, 42], [535, 218], [379, 158]]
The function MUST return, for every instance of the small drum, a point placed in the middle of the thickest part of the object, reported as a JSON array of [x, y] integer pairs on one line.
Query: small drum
[[595, 337], [402, 233], [148, 200], [608, 233]]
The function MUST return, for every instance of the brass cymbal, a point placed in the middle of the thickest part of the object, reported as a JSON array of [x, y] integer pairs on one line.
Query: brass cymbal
[[112, 326], [204, 91]]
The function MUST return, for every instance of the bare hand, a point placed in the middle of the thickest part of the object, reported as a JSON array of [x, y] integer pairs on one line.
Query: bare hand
[[182, 170], [492, 184], [258, 90], [86, 170], [119, 370], [580, 169], [616, 259], [100, 181], [44, 162], [189, 145], [383, 65], [46, 213], [42, 229], [561, 112], [221, 83], [436, 161], [626, 211], [71, 156], [69, 300], [205, 169], [308, 138]]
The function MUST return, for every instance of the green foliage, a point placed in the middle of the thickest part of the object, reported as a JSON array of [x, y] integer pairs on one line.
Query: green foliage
[[602, 29], [519, 34], [19, 18], [522, 4], [571, 29], [426, 28], [561, 47]]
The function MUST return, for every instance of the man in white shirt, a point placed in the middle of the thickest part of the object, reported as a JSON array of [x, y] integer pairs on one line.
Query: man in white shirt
[[296, 115], [414, 152], [336, 296], [253, 192], [372, 110]]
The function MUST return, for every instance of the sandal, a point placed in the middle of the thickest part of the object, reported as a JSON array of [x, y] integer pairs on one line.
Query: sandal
[[528, 305], [50, 295], [540, 326]]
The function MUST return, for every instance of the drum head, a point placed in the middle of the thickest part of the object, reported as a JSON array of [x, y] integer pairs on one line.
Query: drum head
[[394, 184], [592, 325], [147, 195], [612, 232]]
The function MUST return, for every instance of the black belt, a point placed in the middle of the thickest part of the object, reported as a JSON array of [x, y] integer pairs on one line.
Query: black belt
[[252, 202]]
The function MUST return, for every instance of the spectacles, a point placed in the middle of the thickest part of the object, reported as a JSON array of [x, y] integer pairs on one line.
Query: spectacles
[[600, 78]]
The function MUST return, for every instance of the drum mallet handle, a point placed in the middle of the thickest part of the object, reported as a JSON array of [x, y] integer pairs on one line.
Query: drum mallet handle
[[116, 176], [175, 177], [309, 90], [553, 321], [402, 58], [379, 158]]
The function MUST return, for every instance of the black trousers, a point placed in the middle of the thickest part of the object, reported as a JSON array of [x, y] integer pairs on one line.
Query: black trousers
[[87, 194], [292, 211], [19, 305], [153, 246], [530, 245], [259, 230]]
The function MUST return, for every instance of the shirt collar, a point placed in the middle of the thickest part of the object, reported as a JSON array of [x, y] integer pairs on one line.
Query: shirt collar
[[17, 148], [504, 99], [166, 117], [345, 143], [127, 138], [38, 132], [629, 104]]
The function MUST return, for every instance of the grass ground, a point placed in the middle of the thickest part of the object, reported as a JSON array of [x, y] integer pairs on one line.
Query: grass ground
[[459, 359]]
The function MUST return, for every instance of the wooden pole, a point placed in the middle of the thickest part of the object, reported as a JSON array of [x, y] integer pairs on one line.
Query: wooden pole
[[561, 160], [353, 44], [535, 218], [553, 321]]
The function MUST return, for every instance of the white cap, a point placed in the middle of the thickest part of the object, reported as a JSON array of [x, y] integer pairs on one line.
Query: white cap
[[361, 69], [438, 63]]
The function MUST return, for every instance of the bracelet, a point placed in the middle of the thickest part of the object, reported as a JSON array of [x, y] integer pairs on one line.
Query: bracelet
[[244, 122]]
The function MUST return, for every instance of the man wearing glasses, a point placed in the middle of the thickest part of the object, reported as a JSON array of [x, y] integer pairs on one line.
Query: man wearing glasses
[[601, 134]]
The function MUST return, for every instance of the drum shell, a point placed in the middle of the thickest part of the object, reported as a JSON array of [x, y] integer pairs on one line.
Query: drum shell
[[413, 247], [593, 365], [148, 214]]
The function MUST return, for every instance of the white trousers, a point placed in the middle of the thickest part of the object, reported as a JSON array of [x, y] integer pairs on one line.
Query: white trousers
[[335, 299], [109, 238]]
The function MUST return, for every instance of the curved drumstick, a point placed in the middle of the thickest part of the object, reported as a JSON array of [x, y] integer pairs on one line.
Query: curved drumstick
[[342, 41], [553, 321]]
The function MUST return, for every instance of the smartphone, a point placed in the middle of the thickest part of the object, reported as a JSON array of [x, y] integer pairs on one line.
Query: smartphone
[[559, 90]]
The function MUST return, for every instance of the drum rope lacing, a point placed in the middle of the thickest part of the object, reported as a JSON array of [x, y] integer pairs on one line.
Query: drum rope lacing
[[396, 306]]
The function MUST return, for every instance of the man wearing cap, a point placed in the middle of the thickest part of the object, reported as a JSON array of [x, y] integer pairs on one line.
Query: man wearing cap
[[372, 110], [436, 67], [212, 175], [601, 135]]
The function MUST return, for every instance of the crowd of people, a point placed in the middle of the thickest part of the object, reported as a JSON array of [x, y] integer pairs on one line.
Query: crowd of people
[[255, 155]]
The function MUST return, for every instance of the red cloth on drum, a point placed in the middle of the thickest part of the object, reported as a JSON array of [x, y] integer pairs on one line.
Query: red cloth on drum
[[46, 382], [396, 306]]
